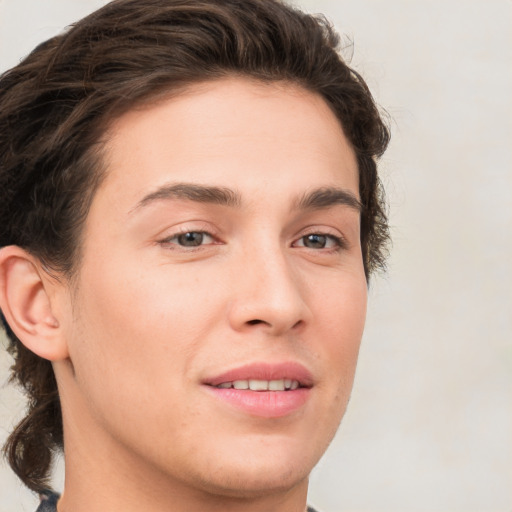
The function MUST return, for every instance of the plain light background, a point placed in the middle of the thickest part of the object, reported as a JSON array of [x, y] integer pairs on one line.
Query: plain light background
[[429, 427]]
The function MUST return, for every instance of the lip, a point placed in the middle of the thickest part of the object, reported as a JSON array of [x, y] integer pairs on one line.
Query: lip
[[265, 404], [265, 371]]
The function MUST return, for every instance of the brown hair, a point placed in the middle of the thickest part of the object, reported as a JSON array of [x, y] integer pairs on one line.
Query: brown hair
[[55, 105]]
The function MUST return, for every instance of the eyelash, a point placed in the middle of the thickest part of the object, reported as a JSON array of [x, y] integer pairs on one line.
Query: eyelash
[[338, 241]]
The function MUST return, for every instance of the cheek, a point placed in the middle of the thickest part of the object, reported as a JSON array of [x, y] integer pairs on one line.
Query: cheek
[[339, 318], [342, 306], [341, 314], [134, 339], [146, 323]]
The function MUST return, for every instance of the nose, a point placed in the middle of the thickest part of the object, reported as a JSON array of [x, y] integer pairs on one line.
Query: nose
[[268, 295]]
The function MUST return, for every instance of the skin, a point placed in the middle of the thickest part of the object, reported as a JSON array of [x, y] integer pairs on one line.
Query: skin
[[148, 319]]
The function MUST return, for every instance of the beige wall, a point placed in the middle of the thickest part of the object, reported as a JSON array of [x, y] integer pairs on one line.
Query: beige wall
[[429, 427]]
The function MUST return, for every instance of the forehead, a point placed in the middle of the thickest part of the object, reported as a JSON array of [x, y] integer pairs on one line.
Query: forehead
[[236, 132]]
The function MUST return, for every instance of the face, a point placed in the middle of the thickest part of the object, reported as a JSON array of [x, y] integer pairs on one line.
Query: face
[[221, 296]]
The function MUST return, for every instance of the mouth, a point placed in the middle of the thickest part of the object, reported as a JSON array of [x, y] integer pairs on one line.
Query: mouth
[[261, 385], [262, 389]]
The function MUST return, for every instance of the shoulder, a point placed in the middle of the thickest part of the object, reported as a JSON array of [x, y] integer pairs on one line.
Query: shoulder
[[48, 502]]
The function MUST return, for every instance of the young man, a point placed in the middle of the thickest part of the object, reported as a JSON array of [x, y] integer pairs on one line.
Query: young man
[[190, 213]]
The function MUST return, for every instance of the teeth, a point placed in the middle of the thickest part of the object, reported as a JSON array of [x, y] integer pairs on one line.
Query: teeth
[[258, 385], [276, 385], [261, 385]]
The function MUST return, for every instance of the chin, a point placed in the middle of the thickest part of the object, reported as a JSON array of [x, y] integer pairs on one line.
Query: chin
[[260, 470], [251, 483]]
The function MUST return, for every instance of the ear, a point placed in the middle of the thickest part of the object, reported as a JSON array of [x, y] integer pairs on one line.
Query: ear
[[26, 305]]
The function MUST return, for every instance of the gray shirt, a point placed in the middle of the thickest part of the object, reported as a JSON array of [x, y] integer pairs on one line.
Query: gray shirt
[[48, 502]]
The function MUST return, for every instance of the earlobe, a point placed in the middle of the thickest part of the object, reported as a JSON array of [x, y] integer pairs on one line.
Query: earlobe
[[26, 305]]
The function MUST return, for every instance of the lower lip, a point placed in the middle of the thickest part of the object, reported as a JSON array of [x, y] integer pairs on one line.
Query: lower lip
[[266, 404]]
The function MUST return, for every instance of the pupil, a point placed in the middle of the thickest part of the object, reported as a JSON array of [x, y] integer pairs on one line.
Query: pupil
[[315, 241], [191, 239]]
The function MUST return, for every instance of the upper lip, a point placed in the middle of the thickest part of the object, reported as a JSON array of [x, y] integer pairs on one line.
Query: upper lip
[[264, 371]]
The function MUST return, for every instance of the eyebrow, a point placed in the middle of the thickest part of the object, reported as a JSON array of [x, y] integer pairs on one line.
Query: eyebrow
[[198, 193], [326, 197], [316, 199]]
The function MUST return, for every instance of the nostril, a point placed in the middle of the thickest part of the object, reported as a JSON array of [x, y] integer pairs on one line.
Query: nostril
[[255, 322]]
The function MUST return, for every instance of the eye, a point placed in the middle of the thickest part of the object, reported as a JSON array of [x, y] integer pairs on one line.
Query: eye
[[319, 241], [190, 239]]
